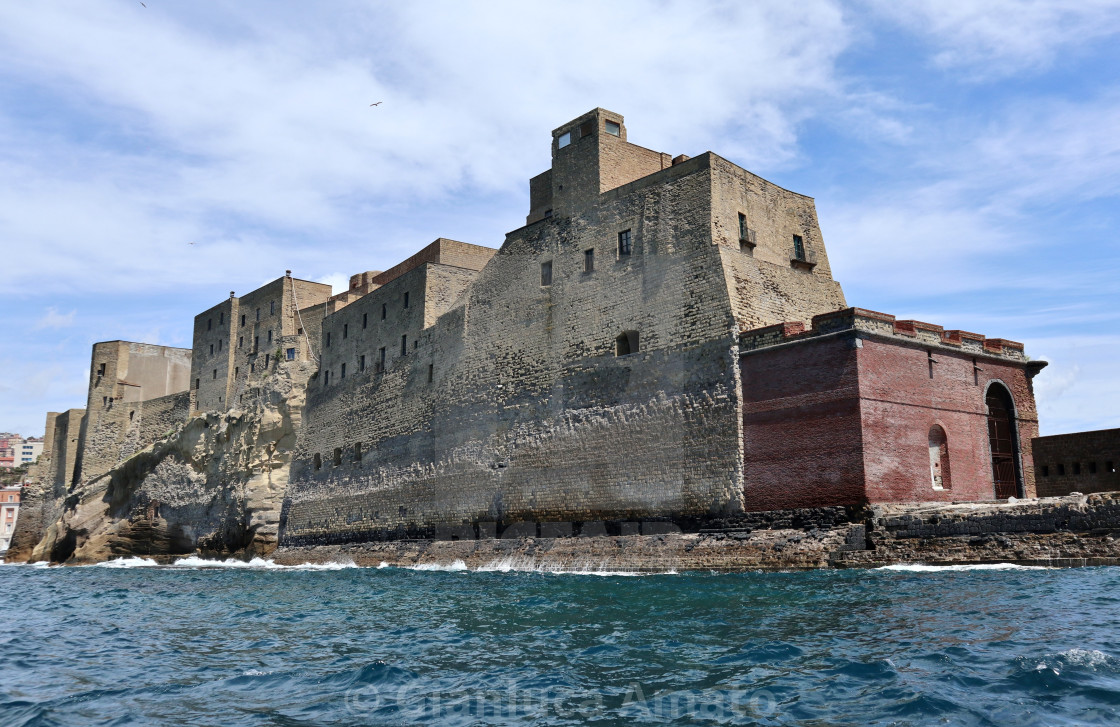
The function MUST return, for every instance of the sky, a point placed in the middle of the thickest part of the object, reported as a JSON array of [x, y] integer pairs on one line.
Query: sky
[[964, 156]]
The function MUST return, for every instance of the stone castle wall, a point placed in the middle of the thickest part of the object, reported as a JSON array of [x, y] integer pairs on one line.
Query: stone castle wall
[[512, 405], [122, 376]]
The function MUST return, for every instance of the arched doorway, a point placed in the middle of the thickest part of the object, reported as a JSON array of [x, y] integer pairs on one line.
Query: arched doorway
[[1004, 442]]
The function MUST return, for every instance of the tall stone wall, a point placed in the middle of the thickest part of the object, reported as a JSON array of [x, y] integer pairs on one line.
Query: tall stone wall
[[766, 284], [124, 374], [42, 501]]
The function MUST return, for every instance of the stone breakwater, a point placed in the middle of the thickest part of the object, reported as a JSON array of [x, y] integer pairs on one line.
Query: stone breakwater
[[1069, 531]]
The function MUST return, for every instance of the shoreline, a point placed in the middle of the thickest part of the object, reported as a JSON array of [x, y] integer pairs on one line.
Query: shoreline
[[1072, 531]]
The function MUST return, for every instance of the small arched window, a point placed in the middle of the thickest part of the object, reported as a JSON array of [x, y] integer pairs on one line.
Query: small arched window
[[337, 456], [318, 461], [939, 459], [626, 343]]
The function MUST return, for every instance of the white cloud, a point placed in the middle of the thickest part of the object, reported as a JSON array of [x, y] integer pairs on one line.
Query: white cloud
[[338, 282], [53, 319], [251, 143], [1000, 37]]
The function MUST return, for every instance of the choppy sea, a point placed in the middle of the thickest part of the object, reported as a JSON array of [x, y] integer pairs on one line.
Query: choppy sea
[[131, 643]]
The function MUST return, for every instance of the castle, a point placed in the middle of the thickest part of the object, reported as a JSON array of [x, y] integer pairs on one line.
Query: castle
[[661, 342]]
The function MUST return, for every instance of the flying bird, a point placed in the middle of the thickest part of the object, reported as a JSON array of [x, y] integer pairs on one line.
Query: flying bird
[[376, 104], [190, 243], [143, 4]]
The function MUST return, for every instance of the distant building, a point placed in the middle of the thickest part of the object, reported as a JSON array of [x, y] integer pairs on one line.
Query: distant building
[[29, 451], [9, 511], [15, 451], [1082, 462]]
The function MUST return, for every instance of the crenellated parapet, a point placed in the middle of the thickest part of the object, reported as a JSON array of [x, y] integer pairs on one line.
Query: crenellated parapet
[[874, 323]]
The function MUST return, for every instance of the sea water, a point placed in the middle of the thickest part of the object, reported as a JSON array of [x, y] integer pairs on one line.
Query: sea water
[[133, 643]]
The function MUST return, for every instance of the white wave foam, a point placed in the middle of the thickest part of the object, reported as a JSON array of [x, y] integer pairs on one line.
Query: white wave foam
[[133, 562], [919, 568], [455, 567], [1091, 658], [193, 561], [523, 564]]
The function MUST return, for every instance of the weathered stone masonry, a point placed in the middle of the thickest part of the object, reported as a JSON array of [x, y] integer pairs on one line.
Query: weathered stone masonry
[[662, 344], [529, 414]]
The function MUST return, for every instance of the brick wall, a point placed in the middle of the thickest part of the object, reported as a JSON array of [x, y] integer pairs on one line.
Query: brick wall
[[802, 433], [842, 412], [1080, 462]]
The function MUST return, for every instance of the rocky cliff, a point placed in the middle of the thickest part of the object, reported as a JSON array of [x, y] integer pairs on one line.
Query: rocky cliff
[[214, 485]]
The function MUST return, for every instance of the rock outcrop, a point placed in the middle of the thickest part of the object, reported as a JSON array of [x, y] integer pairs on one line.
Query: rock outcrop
[[213, 486]]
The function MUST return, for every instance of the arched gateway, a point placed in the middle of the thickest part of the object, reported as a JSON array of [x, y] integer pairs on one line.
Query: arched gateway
[[1003, 441]]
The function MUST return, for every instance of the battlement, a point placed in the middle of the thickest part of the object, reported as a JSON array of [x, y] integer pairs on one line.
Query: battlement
[[880, 324]]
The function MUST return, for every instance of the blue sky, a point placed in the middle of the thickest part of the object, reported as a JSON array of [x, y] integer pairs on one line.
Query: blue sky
[[965, 156]]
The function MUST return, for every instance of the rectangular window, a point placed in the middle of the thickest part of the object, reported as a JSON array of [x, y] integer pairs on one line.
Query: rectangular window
[[364, 321], [256, 343], [241, 341], [613, 128], [342, 375], [252, 366], [357, 452], [209, 323], [362, 363], [1045, 471], [219, 344], [546, 273], [328, 339], [589, 260], [258, 315], [101, 370], [236, 370], [291, 354], [587, 128], [215, 377], [345, 330], [326, 378], [383, 311], [431, 372], [406, 299], [211, 349], [242, 320], [272, 307], [270, 336], [381, 359], [624, 244], [1092, 468], [404, 345], [1061, 469], [266, 360], [221, 317], [745, 236], [1076, 468], [798, 248], [564, 140]]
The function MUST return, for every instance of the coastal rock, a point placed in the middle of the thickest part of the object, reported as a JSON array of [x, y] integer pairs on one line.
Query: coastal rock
[[214, 486]]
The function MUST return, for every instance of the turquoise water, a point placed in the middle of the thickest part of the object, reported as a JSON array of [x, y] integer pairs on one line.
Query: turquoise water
[[274, 646]]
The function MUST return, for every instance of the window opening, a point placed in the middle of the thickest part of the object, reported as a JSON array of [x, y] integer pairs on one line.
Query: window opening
[[626, 343], [624, 244], [546, 273]]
